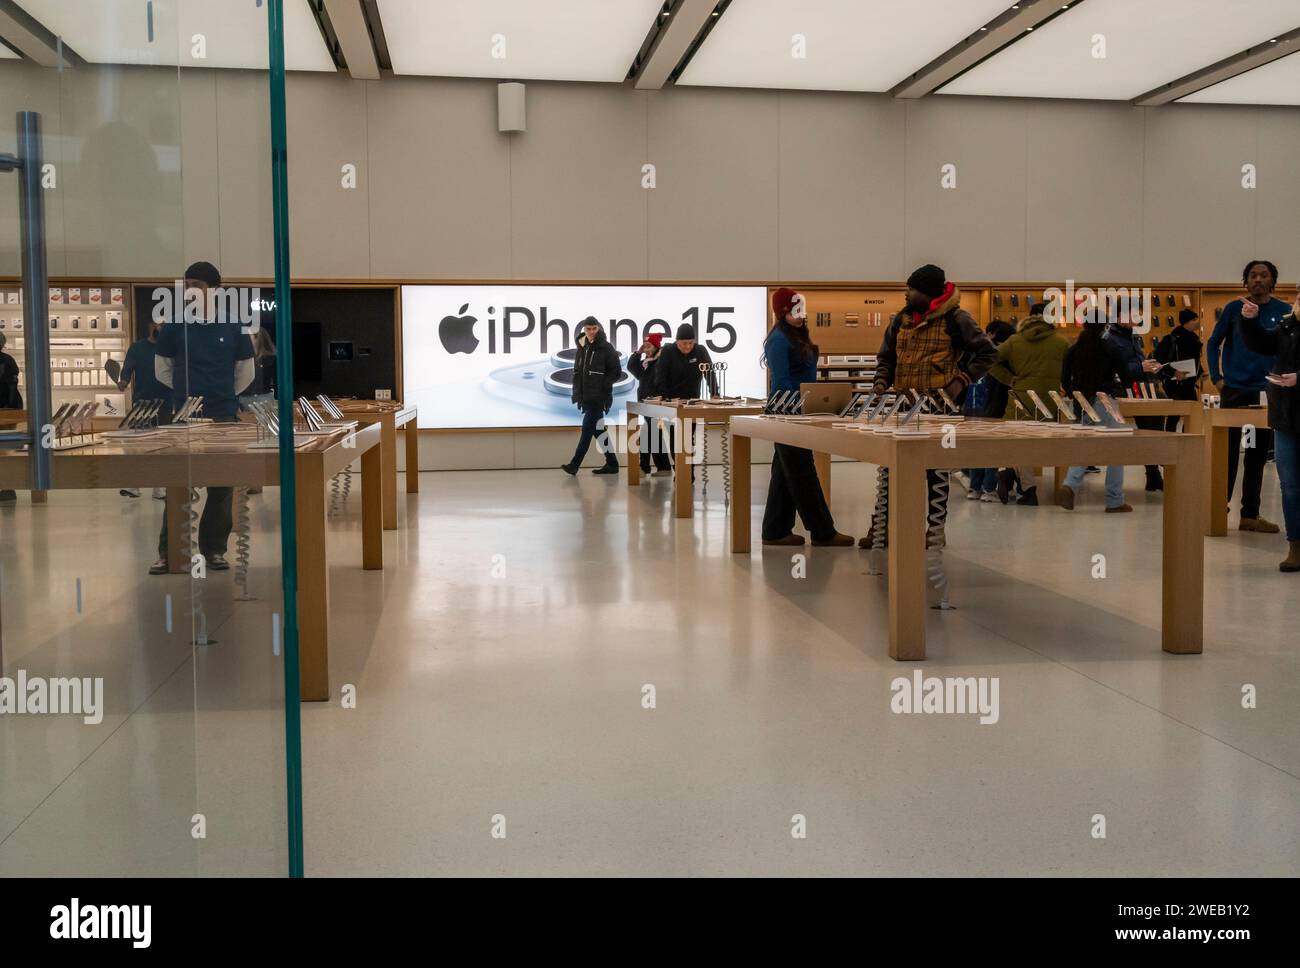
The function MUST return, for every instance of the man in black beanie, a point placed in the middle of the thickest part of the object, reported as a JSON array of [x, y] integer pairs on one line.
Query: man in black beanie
[[677, 374], [932, 344]]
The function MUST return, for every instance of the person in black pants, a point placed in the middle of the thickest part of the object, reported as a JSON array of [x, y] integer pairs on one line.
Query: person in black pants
[[10, 399], [1241, 374], [209, 357], [1181, 345], [595, 371], [652, 441], [791, 359]]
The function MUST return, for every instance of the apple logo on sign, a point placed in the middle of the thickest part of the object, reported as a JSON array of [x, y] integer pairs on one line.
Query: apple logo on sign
[[457, 332]]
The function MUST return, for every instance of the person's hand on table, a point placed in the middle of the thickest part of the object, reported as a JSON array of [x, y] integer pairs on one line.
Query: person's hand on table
[[1151, 366], [879, 388]]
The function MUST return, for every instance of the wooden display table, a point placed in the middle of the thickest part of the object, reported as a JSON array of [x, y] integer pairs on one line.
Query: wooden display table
[[218, 455], [677, 412], [1192, 412], [993, 443], [391, 418], [1217, 422]]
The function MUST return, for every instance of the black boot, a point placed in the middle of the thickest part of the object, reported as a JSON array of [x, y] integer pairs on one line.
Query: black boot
[[1155, 480]]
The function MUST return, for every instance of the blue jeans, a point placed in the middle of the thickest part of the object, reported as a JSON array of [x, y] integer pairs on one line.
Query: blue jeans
[[593, 418], [1114, 474], [1286, 452], [983, 479]]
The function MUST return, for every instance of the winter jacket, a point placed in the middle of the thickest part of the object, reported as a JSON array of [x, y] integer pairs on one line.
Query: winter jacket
[[643, 369], [10, 398], [929, 350], [595, 371], [1240, 367], [785, 363], [1181, 344], [1125, 348], [1031, 360], [1282, 345], [1091, 366], [677, 375]]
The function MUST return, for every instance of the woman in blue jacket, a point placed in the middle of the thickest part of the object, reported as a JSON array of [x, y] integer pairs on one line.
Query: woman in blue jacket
[[791, 359]]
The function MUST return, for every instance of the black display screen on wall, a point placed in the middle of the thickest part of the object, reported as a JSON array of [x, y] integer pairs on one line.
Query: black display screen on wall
[[323, 319]]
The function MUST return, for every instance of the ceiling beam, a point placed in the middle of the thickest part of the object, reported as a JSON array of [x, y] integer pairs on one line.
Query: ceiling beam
[[349, 23], [1005, 29], [25, 34], [675, 38], [1240, 63]]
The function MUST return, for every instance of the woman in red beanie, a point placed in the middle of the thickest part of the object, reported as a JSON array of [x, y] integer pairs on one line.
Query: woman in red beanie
[[791, 359], [641, 366]]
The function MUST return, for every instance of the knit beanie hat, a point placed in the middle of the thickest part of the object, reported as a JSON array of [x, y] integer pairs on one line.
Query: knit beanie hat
[[928, 279], [685, 331], [1187, 315], [655, 338], [785, 301]]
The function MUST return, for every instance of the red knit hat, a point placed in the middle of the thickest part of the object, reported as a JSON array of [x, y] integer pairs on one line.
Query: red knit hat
[[785, 300], [656, 338]]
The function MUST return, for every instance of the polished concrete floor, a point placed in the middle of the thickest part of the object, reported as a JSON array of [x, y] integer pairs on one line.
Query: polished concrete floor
[[501, 661]]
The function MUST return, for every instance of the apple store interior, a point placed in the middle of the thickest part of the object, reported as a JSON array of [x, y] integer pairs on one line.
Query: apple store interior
[[691, 438]]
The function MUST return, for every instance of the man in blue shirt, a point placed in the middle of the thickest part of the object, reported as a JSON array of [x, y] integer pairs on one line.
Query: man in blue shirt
[[209, 357], [1240, 377]]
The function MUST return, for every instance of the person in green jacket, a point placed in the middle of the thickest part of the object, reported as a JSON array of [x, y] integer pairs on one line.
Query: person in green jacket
[[1030, 360]]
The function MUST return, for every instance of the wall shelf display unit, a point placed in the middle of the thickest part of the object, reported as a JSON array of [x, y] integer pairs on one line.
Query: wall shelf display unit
[[89, 324]]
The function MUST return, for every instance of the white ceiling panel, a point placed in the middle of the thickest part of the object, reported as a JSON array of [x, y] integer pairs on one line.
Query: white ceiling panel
[[1277, 82], [568, 40], [1147, 43], [851, 45], [233, 32], [6, 53]]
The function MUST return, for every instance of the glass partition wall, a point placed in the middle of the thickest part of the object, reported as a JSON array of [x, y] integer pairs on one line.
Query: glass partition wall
[[143, 715]]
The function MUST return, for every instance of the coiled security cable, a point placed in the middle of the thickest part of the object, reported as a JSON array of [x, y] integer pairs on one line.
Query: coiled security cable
[[243, 542]]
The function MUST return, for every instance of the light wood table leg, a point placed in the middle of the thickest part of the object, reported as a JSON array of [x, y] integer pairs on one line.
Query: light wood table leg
[[1183, 568], [373, 494], [634, 451], [313, 578], [1216, 447], [683, 485], [388, 446], [412, 457], [1059, 475], [740, 490], [40, 497], [178, 530], [823, 464], [908, 494]]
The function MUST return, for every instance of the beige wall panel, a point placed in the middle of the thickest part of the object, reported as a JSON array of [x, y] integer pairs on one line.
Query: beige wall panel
[[841, 198], [244, 175], [1084, 191], [714, 211], [578, 209], [26, 87], [439, 180], [329, 225], [976, 230]]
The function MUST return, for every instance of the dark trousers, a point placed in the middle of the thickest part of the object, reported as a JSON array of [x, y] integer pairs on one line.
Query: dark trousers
[[592, 414], [1151, 423], [1255, 458], [655, 443], [214, 525], [216, 522], [1179, 390], [795, 486]]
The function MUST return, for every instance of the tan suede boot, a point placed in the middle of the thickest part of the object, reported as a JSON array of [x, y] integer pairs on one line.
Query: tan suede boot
[[1292, 562]]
